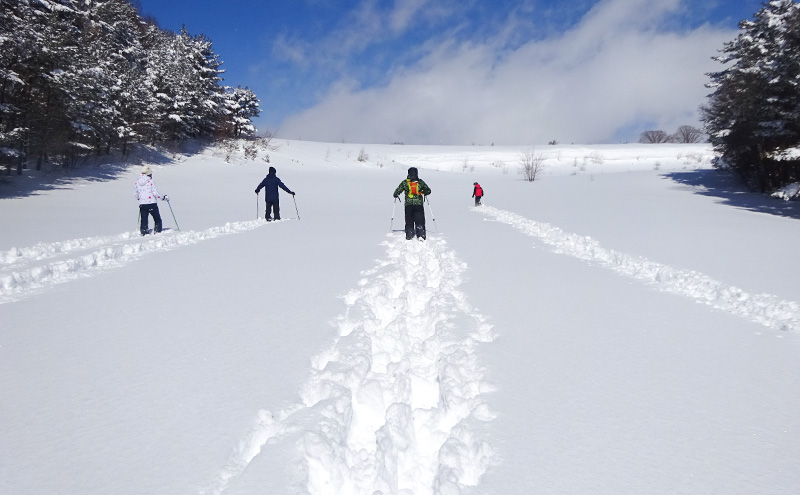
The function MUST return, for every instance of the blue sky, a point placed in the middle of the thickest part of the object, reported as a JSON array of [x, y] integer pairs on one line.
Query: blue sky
[[466, 71]]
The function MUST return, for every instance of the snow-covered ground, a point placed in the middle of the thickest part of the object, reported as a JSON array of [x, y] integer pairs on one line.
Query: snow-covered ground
[[627, 323]]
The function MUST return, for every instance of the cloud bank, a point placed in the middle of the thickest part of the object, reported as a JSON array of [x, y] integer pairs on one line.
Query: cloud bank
[[625, 67]]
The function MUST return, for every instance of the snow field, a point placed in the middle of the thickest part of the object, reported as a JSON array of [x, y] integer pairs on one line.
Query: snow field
[[109, 251], [555, 160], [235, 383], [765, 309], [397, 392]]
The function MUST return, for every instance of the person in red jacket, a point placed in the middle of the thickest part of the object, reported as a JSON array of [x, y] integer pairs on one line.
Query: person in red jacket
[[477, 193]]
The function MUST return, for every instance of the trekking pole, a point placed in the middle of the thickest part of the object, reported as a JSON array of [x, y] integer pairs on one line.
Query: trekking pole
[[256, 206], [139, 221], [173, 216], [295, 207], [391, 224], [433, 217]]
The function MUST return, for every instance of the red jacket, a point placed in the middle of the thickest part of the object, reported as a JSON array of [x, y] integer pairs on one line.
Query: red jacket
[[478, 191]]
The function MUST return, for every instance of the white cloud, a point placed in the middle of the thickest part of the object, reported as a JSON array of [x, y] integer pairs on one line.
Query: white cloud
[[614, 70], [404, 13]]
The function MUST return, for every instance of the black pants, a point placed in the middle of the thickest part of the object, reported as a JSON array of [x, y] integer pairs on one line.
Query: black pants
[[415, 221], [144, 212], [478, 200], [275, 208]]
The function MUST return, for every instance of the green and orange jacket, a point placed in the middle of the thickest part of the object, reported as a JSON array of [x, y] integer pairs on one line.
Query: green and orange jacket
[[414, 194]]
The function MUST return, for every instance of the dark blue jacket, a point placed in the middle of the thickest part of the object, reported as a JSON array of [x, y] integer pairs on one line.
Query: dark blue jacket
[[270, 184]]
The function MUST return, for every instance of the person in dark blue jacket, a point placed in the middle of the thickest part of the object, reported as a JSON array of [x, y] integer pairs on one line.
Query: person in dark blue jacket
[[271, 183]]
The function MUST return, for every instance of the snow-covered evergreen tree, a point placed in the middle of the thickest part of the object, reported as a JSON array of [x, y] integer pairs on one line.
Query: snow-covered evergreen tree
[[79, 77], [16, 42], [753, 116], [241, 106]]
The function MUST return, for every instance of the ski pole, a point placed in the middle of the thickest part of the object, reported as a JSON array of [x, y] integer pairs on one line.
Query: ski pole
[[173, 216], [433, 217], [295, 207], [391, 224], [256, 206]]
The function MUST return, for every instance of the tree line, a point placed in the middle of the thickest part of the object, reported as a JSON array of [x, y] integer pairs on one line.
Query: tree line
[[84, 77], [752, 117], [684, 134]]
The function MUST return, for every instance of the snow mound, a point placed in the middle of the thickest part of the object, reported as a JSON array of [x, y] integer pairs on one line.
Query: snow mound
[[765, 309], [792, 191], [397, 396]]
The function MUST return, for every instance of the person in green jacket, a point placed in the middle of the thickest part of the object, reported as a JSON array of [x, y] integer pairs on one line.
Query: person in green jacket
[[414, 189]]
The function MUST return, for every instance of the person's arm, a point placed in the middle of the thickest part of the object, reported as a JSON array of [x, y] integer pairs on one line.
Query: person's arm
[[280, 183], [400, 189], [260, 185], [424, 189]]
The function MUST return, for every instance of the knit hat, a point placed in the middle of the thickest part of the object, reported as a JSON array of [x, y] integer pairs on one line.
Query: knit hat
[[272, 170], [412, 172], [146, 170]]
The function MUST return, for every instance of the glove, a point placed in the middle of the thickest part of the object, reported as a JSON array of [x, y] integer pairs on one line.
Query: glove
[[292, 194], [165, 197], [394, 195], [256, 191]]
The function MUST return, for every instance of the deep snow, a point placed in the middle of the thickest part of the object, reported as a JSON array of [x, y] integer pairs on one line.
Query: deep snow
[[550, 341]]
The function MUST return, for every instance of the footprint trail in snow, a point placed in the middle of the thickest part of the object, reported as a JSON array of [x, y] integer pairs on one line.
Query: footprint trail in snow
[[393, 404], [765, 309], [21, 275]]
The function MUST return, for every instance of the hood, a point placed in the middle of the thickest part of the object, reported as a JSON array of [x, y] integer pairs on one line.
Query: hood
[[143, 180]]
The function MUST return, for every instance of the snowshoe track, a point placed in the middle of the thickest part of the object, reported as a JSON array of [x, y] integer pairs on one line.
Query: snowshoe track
[[765, 309], [18, 279], [394, 401]]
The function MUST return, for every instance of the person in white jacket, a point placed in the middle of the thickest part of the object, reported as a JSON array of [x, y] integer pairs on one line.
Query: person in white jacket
[[147, 194]]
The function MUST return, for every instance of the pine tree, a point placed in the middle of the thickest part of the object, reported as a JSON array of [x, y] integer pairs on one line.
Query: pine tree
[[15, 44], [753, 115], [242, 105], [86, 76]]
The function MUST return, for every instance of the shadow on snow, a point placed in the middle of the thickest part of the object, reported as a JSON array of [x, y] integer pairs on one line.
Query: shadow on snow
[[731, 192], [93, 169]]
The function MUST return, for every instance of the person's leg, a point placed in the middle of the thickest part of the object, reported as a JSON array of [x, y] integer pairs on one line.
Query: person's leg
[[156, 218], [409, 221], [268, 212], [419, 221], [276, 207], [143, 215]]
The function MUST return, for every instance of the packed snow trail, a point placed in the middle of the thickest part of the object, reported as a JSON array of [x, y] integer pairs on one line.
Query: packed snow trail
[[765, 309], [42, 250], [394, 400], [109, 251]]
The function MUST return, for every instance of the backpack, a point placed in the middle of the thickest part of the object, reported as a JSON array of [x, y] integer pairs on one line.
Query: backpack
[[413, 188]]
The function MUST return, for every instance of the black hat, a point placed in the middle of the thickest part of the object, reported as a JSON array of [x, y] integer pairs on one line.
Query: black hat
[[412, 172]]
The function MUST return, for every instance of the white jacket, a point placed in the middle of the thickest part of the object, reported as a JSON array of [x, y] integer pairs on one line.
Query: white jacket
[[145, 190]]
